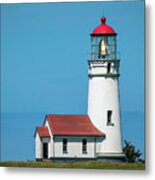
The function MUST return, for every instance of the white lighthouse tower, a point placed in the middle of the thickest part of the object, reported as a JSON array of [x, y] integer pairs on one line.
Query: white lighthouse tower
[[103, 95]]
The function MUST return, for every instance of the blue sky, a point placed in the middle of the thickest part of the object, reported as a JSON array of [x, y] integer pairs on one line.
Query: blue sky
[[44, 53]]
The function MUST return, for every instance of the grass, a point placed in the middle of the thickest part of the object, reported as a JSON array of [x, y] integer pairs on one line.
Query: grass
[[79, 165]]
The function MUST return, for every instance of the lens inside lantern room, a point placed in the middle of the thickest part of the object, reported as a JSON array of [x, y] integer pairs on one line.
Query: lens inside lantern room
[[103, 47]]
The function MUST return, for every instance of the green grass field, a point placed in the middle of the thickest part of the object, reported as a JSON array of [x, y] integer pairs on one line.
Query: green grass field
[[79, 165]]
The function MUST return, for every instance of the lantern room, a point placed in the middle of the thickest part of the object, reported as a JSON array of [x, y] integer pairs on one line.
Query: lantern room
[[103, 42]]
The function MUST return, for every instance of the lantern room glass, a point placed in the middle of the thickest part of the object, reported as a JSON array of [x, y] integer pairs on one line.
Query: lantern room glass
[[103, 47]]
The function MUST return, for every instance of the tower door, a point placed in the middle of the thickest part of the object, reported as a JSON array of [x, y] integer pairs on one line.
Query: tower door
[[45, 150]]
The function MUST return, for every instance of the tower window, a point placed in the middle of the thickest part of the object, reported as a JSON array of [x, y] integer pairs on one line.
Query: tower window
[[109, 118], [64, 146], [108, 67], [84, 146]]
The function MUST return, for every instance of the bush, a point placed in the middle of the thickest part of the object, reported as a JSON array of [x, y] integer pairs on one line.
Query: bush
[[131, 154]]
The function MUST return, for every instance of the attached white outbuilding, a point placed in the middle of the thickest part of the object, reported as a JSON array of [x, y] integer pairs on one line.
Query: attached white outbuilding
[[65, 137]]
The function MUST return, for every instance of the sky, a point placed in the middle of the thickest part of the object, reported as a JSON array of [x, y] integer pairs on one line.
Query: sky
[[44, 53]]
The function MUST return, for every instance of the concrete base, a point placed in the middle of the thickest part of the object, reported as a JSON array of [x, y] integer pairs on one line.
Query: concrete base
[[105, 157], [66, 159], [111, 157], [71, 159]]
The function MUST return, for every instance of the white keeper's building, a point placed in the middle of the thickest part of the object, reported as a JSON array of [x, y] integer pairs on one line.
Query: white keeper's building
[[96, 135]]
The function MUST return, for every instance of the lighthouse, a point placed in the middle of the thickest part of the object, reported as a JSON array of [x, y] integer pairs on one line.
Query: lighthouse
[[96, 135], [103, 92]]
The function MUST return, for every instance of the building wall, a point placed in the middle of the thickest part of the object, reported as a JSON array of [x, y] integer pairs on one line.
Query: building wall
[[74, 147], [38, 147], [50, 145]]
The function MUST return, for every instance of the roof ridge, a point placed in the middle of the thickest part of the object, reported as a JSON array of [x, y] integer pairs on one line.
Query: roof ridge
[[66, 114]]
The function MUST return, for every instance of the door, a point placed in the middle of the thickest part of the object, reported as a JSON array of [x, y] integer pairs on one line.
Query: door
[[45, 150]]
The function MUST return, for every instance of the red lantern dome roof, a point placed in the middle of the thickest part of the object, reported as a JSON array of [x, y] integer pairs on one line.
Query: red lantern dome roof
[[103, 29]]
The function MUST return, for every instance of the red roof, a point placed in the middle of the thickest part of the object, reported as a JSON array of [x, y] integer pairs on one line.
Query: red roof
[[43, 131], [72, 125], [103, 28]]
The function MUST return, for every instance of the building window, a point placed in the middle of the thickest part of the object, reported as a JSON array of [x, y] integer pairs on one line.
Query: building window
[[84, 146], [64, 146], [108, 67], [109, 118]]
